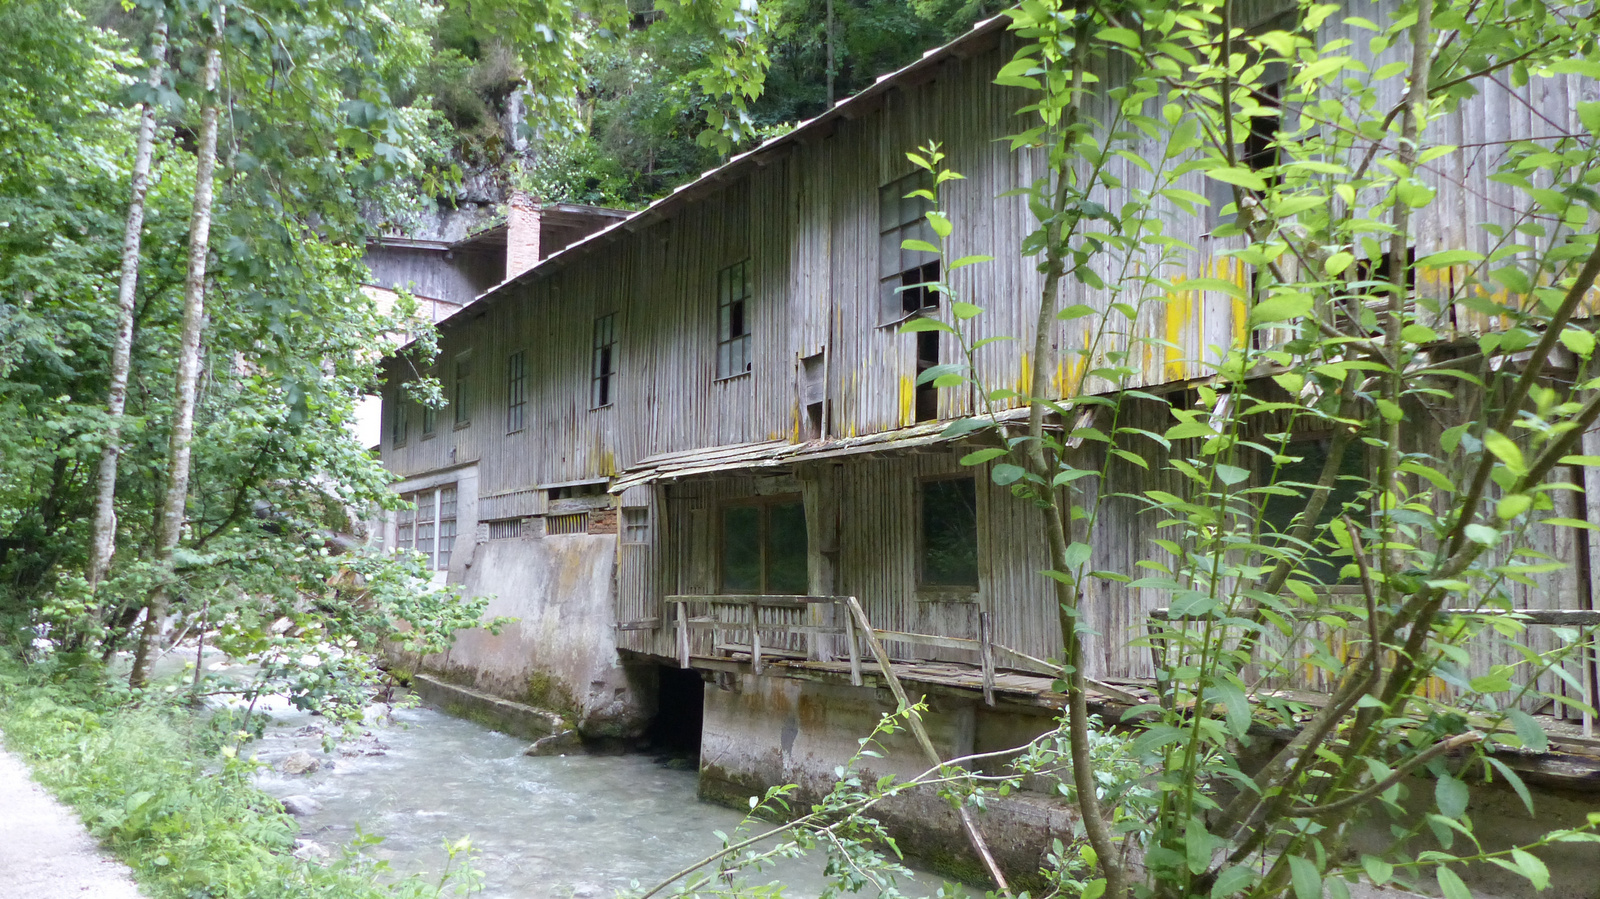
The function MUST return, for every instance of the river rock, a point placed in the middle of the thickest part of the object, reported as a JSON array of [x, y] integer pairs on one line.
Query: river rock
[[556, 744], [299, 762], [588, 891], [300, 806], [311, 851]]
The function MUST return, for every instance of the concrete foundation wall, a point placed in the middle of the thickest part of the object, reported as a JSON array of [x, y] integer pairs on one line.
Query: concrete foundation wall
[[560, 653], [762, 731]]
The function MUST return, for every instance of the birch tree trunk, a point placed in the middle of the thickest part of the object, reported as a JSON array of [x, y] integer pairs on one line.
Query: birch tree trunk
[[104, 541], [171, 511]]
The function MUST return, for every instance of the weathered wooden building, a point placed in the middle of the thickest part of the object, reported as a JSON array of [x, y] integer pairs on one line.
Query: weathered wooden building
[[706, 414]]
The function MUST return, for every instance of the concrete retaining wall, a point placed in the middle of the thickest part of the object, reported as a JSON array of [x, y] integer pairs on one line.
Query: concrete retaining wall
[[559, 653]]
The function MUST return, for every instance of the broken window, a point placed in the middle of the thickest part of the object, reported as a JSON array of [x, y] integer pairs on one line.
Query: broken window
[[1279, 511], [764, 547], [516, 391], [398, 420], [814, 394], [430, 421], [905, 275], [949, 531], [733, 320], [604, 365], [461, 396]]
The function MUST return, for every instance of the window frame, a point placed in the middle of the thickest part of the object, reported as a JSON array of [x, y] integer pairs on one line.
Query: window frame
[[764, 503], [926, 587], [911, 268], [727, 304], [399, 421], [603, 362], [516, 391]]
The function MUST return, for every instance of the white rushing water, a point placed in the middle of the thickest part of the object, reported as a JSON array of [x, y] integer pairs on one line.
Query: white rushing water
[[573, 827]]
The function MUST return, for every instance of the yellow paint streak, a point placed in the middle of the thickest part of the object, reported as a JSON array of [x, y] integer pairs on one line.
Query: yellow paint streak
[[1179, 304], [1025, 380], [908, 397], [1241, 309]]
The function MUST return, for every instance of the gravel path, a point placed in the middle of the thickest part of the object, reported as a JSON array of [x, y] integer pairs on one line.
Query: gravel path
[[45, 852]]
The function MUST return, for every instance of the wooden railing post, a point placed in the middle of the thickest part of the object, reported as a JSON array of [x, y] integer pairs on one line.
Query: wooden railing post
[[851, 644], [755, 636], [986, 656], [683, 635]]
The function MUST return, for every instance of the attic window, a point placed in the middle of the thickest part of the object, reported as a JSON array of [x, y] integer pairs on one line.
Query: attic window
[[733, 320], [516, 390], [462, 394], [398, 421], [904, 274], [573, 491]]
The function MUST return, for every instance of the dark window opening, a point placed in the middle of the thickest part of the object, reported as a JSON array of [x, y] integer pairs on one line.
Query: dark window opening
[[949, 520], [927, 395], [430, 421], [1260, 150], [1371, 286], [814, 394], [919, 294], [605, 364], [764, 548], [1279, 511], [733, 322], [573, 523], [516, 391]]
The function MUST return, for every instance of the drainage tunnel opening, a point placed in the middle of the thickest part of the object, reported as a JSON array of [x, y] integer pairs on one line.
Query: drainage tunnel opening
[[680, 712]]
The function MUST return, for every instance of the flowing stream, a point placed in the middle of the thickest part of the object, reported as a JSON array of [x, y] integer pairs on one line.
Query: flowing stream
[[568, 827]]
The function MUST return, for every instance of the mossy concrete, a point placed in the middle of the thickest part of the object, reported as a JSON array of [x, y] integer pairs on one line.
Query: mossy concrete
[[514, 718]]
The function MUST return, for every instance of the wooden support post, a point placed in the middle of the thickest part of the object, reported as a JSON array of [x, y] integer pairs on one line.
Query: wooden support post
[[683, 635], [755, 636], [852, 646], [914, 722], [986, 656]]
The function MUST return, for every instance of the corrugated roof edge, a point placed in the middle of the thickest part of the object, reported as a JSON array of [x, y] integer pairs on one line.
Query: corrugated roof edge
[[649, 214]]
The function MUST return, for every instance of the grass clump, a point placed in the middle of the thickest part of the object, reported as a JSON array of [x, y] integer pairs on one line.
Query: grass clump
[[163, 786]]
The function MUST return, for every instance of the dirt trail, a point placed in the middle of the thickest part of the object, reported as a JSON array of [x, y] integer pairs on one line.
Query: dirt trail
[[45, 852]]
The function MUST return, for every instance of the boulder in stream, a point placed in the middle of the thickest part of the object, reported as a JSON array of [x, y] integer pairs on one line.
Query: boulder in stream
[[299, 762], [300, 806], [556, 744], [311, 851]]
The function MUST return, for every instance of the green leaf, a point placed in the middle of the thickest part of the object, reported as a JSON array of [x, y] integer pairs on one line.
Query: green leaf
[[1006, 473], [1531, 866], [1450, 884], [1231, 474], [978, 457], [1532, 735], [920, 245], [1338, 262], [1506, 451], [941, 224], [1451, 795], [965, 261], [1281, 307], [1238, 176], [1076, 554], [1578, 341], [1378, 870], [1511, 506], [964, 311], [1232, 880], [1306, 878], [922, 323]]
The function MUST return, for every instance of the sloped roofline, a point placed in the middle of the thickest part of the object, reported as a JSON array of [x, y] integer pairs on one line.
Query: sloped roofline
[[974, 41]]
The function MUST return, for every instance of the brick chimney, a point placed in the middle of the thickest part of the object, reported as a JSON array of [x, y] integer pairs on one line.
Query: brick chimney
[[522, 233]]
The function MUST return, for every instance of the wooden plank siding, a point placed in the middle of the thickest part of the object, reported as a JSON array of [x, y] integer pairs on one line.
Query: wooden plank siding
[[805, 216]]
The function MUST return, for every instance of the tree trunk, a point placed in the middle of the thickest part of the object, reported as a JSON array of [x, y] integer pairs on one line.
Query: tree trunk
[[104, 541], [171, 511]]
